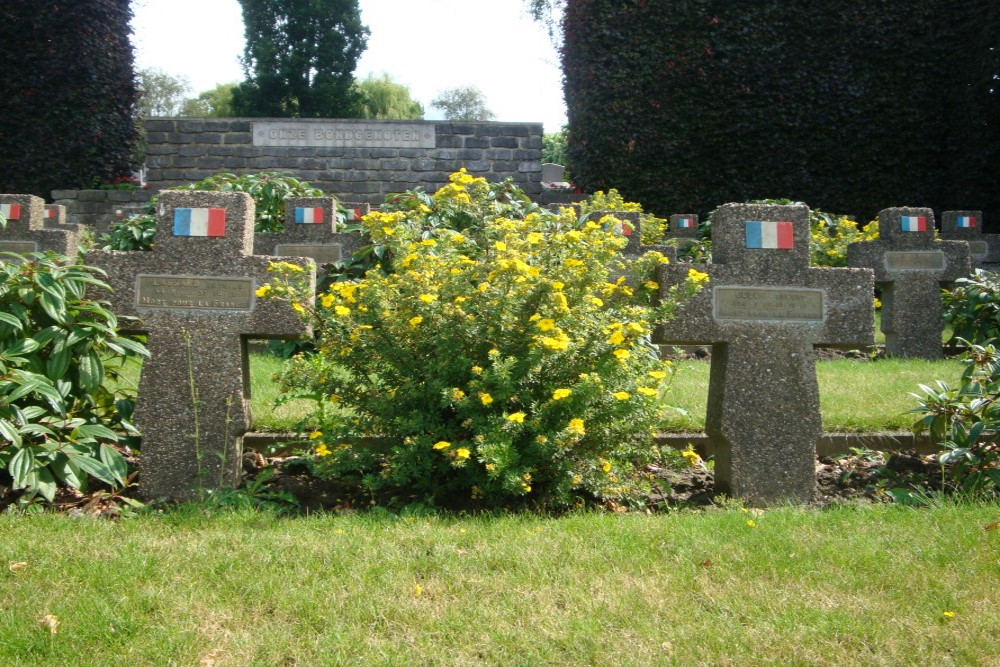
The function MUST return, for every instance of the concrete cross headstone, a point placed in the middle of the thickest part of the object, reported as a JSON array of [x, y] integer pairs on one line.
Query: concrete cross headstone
[[310, 231], [194, 295], [354, 211], [683, 228], [910, 268], [25, 231], [984, 249], [54, 216], [763, 311]]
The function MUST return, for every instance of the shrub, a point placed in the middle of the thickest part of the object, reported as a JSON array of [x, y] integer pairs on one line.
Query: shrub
[[497, 356], [134, 233], [268, 190], [59, 420], [972, 308], [652, 228], [967, 421]]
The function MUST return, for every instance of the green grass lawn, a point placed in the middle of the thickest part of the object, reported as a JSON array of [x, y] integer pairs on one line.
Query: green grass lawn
[[844, 586], [854, 395]]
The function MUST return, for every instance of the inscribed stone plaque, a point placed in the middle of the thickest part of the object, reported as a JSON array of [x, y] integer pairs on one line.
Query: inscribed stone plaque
[[979, 249], [20, 247], [323, 253], [327, 134], [761, 303], [194, 293], [914, 260]]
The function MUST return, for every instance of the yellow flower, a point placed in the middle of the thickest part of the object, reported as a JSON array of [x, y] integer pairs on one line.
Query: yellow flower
[[635, 327], [575, 426], [691, 456], [461, 299], [605, 465], [493, 352], [342, 310], [534, 238], [500, 245], [482, 287], [622, 395], [697, 276], [622, 355], [442, 444], [485, 398], [414, 321], [751, 523], [458, 238], [560, 394], [617, 338], [949, 614], [517, 417], [646, 391], [597, 302], [457, 394], [327, 300], [651, 284], [571, 262], [388, 231], [298, 308], [315, 434], [556, 285], [427, 298], [462, 453], [659, 375], [546, 324], [263, 290], [558, 342], [430, 243], [322, 450], [476, 370]]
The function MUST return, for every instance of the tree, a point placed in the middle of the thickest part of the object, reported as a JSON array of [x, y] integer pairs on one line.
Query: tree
[[463, 103], [162, 94], [300, 58], [382, 98], [69, 94], [684, 106], [217, 102]]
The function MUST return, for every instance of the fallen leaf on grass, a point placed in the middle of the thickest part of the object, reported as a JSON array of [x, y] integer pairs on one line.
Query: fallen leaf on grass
[[49, 621], [17, 567], [707, 563], [992, 526]]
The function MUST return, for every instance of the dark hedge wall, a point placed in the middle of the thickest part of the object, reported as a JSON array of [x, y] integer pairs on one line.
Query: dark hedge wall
[[67, 94], [850, 106]]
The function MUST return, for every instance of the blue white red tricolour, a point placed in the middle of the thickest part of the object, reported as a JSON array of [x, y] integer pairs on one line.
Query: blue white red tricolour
[[308, 216], [913, 223], [965, 222], [11, 211], [769, 234], [685, 223], [199, 222]]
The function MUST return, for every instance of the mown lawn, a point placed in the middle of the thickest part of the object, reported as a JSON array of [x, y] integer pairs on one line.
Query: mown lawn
[[882, 585]]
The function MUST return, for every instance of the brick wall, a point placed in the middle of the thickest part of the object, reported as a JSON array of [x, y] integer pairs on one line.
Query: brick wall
[[182, 150]]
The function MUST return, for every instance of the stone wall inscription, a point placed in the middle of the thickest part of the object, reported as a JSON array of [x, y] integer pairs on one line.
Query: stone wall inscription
[[194, 293], [768, 303], [322, 134]]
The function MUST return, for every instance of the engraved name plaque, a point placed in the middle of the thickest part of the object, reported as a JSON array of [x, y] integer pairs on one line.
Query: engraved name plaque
[[979, 249], [323, 253], [914, 260], [768, 303], [20, 247], [327, 134], [194, 293]]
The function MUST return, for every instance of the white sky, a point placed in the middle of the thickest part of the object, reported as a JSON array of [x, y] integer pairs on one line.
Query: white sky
[[428, 45]]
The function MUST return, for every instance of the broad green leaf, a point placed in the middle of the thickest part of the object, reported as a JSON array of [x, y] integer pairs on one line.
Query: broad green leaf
[[65, 470], [94, 431], [46, 484], [21, 466], [93, 467], [9, 432], [91, 371], [23, 346], [7, 318], [57, 364], [115, 462]]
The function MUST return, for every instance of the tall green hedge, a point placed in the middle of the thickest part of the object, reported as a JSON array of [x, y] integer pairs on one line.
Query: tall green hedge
[[849, 105], [67, 94]]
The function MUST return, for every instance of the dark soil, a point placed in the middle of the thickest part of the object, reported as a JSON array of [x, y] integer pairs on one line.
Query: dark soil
[[864, 477]]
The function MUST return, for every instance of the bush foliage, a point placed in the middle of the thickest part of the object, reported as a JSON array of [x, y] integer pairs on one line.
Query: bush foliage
[[59, 421], [683, 106], [496, 354]]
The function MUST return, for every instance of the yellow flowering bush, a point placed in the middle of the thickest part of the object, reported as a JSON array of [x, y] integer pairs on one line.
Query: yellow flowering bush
[[653, 228], [499, 354]]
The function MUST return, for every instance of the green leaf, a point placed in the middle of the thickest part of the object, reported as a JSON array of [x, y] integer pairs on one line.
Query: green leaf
[[93, 467], [91, 371], [57, 365], [115, 462], [94, 431], [21, 466], [66, 470], [23, 346], [46, 484], [7, 318], [9, 432]]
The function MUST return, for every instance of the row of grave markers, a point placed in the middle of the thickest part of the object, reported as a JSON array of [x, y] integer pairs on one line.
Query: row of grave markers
[[763, 312]]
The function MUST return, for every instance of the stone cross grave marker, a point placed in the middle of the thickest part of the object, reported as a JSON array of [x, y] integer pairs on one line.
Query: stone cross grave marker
[[635, 247], [25, 231], [984, 249], [684, 228], [54, 216], [354, 210], [194, 295], [910, 268], [762, 312], [310, 231]]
